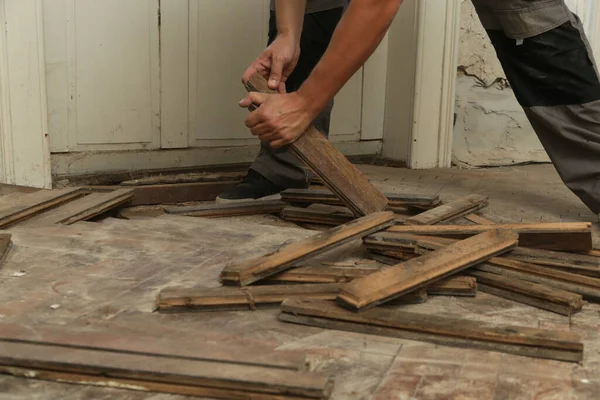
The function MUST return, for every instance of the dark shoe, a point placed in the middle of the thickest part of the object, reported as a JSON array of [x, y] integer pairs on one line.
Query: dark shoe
[[253, 186]]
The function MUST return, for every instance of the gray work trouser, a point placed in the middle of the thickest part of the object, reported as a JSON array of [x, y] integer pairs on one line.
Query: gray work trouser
[[549, 65]]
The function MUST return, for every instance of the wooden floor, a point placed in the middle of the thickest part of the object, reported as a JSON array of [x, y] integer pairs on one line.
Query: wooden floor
[[98, 276]]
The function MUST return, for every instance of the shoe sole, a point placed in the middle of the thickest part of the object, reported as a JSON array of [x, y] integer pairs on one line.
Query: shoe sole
[[219, 200]]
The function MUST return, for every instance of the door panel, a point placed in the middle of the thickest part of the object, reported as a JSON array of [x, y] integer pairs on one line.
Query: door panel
[[102, 71]]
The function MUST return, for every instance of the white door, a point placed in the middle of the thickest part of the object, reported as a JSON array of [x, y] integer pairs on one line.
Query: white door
[[126, 75], [102, 66]]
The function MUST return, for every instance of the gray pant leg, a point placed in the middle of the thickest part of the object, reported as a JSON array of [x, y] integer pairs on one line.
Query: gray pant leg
[[554, 77], [281, 166]]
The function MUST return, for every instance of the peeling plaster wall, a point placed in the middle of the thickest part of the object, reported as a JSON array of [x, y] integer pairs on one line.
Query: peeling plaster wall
[[491, 128]]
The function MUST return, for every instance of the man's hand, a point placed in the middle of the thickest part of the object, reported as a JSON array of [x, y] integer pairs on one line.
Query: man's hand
[[276, 62], [280, 119]]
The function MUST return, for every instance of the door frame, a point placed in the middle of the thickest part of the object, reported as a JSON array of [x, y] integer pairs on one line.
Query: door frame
[[24, 145]]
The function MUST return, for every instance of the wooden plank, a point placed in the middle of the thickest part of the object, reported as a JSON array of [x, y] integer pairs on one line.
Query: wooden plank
[[587, 286], [5, 245], [229, 209], [190, 177], [453, 286], [119, 340], [172, 193], [454, 209], [232, 298], [407, 276], [533, 294], [285, 257], [571, 262], [570, 236], [478, 219], [81, 209], [558, 345], [338, 174], [323, 216], [322, 196], [253, 380], [27, 205]]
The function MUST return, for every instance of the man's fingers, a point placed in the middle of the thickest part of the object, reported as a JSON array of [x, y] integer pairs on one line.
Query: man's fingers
[[277, 65], [253, 98], [245, 102]]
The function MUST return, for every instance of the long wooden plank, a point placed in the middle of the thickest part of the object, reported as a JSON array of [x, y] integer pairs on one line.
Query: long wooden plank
[[570, 236], [81, 209], [119, 340], [525, 341], [453, 286], [587, 286], [322, 196], [190, 177], [259, 268], [407, 276], [533, 294], [452, 210], [229, 209], [172, 193], [571, 262], [5, 245], [338, 174], [204, 374], [323, 216], [27, 205], [233, 298]]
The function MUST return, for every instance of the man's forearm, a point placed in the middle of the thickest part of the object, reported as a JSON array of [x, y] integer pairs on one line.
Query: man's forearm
[[290, 18], [358, 34]]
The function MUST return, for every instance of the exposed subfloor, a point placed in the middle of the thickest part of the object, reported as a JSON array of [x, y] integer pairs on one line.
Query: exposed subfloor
[[106, 275]]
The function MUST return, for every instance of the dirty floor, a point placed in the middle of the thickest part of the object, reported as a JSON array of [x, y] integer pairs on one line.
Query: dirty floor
[[106, 275]]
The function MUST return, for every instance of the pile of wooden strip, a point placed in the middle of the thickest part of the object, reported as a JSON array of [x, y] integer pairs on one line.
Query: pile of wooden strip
[[120, 360], [63, 206], [423, 259]]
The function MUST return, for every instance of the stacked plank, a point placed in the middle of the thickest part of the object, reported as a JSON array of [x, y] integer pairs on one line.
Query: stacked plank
[[147, 364], [63, 206]]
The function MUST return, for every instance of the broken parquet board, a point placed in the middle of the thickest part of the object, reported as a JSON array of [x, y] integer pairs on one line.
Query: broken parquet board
[[449, 211], [478, 219], [410, 275], [191, 177], [174, 375], [533, 294], [5, 245], [453, 286], [568, 236], [317, 196], [232, 298], [557, 345], [251, 271], [338, 174], [323, 216], [120, 340], [17, 209], [571, 262], [587, 286], [81, 209], [229, 209]]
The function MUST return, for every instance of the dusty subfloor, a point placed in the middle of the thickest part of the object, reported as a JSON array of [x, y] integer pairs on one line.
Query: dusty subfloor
[[106, 275]]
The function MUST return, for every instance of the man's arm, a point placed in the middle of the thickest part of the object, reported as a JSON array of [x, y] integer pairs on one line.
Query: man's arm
[[278, 60], [281, 119]]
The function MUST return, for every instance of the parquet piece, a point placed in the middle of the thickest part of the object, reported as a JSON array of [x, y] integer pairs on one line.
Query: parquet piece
[[449, 211], [558, 345], [338, 174], [568, 236], [212, 378], [26, 205], [533, 294], [317, 196], [81, 209], [5, 245], [229, 209], [232, 298], [570, 262], [407, 276], [251, 271]]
